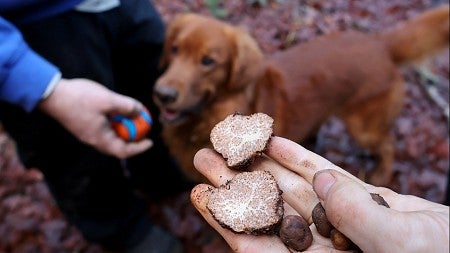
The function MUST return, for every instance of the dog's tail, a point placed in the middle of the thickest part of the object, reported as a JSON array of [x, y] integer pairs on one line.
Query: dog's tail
[[416, 38]]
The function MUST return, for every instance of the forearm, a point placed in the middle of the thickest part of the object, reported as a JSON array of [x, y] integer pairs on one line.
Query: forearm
[[24, 75]]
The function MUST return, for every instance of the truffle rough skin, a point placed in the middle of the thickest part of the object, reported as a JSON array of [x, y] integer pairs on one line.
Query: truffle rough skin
[[295, 232], [240, 138], [250, 203]]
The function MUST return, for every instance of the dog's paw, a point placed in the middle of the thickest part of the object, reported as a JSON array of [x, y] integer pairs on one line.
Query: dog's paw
[[380, 178]]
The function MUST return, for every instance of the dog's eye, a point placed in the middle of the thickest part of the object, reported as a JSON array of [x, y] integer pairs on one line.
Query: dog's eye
[[207, 61], [174, 49]]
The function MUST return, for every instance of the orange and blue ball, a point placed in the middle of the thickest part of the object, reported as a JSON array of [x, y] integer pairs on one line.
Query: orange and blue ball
[[132, 129]]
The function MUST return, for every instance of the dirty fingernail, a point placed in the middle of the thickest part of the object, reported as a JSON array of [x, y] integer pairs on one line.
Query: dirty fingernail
[[322, 182]]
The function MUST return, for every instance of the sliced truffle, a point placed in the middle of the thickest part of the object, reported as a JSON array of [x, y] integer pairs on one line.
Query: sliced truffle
[[250, 203], [239, 138]]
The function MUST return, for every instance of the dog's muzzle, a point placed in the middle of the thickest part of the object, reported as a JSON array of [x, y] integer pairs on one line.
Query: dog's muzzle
[[165, 94]]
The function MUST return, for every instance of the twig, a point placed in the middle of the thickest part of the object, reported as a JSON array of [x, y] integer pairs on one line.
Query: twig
[[429, 81]]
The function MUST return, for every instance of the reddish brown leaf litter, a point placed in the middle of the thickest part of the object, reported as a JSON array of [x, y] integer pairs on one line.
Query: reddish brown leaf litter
[[30, 221]]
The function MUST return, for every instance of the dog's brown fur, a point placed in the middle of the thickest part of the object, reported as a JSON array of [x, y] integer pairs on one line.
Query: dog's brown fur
[[215, 69]]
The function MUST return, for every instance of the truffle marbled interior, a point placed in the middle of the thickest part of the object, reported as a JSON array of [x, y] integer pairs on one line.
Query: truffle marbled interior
[[250, 203], [239, 138]]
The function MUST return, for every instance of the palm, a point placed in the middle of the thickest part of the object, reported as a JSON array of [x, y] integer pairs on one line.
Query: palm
[[255, 244]]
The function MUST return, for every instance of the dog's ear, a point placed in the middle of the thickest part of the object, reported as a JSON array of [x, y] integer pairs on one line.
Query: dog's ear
[[173, 28], [246, 65]]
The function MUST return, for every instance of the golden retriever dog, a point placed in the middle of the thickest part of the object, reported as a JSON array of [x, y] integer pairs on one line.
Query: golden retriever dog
[[213, 69]]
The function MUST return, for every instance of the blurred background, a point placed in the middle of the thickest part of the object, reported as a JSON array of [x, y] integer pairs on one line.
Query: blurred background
[[30, 221]]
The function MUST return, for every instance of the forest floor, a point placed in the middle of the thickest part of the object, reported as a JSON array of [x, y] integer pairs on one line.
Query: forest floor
[[31, 222]]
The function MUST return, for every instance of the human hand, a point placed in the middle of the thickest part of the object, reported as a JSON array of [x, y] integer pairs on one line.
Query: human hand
[[411, 224], [83, 107]]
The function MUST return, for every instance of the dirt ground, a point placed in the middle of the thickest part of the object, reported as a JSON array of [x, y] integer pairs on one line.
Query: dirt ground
[[30, 221]]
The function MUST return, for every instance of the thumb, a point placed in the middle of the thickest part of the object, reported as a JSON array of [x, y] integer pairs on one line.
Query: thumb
[[351, 210], [126, 106]]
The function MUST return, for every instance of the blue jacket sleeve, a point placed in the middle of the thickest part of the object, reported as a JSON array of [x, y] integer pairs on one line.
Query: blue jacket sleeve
[[24, 75]]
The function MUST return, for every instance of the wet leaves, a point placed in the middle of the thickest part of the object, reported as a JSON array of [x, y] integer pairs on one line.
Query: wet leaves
[[31, 222]]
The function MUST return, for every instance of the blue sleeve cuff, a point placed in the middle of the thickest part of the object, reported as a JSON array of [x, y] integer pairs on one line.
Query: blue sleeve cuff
[[27, 80]]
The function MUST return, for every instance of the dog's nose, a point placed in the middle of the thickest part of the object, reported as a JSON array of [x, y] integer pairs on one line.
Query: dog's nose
[[165, 94]]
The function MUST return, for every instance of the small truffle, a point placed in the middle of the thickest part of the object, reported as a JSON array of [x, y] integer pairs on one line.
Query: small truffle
[[295, 233], [250, 203], [339, 240], [320, 220], [239, 139]]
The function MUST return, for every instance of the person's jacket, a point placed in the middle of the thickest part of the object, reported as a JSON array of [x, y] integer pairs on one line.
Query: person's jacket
[[24, 75]]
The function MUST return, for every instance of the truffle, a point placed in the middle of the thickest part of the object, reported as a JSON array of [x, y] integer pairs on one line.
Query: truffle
[[339, 240], [320, 219], [295, 232], [239, 138], [250, 203]]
